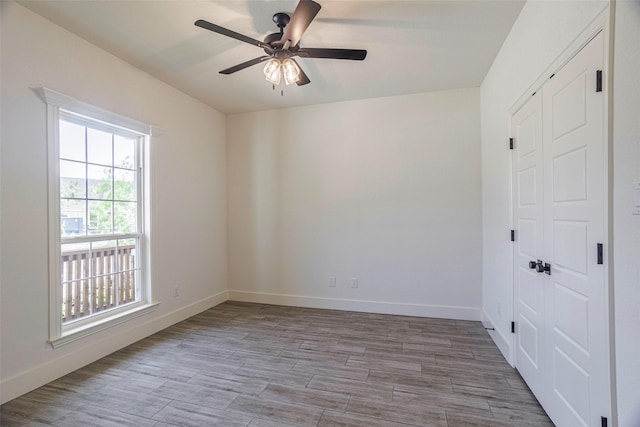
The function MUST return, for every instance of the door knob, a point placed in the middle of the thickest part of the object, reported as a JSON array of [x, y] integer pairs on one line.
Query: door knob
[[547, 268], [532, 264], [539, 266]]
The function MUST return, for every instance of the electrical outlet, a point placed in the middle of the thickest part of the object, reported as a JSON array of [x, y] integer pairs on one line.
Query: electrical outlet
[[332, 282], [176, 291], [354, 282]]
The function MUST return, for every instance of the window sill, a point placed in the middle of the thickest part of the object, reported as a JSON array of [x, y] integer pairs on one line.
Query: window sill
[[100, 325]]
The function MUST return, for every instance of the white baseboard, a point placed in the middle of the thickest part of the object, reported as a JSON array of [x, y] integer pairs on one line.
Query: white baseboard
[[502, 342], [23, 382], [405, 309]]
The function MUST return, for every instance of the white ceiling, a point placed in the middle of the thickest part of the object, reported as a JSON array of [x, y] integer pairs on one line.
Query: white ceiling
[[413, 46]]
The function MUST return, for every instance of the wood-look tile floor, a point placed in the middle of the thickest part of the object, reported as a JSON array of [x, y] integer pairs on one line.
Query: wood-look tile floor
[[241, 364]]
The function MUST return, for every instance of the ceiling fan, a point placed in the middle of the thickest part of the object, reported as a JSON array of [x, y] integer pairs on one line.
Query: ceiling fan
[[280, 48]]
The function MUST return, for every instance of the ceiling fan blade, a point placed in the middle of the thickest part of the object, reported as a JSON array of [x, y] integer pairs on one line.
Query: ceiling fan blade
[[302, 79], [226, 32], [300, 21], [244, 65], [353, 54]]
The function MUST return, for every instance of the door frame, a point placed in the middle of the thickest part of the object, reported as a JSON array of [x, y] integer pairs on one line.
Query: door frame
[[602, 23]]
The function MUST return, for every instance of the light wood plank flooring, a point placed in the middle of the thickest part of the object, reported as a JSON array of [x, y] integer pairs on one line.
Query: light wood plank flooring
[[257, 365]]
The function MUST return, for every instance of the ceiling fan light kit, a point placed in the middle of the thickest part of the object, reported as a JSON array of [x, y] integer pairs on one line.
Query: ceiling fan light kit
[[280, 48], [275, 70]]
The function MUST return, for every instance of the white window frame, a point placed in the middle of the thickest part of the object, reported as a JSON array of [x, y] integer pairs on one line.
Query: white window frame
[[59, 333]]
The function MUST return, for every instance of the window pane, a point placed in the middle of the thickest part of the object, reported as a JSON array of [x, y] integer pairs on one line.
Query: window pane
[[124, 152], [72, 141], [103, 256], [104, 290], [104, 264], [100, 185], [124, 186], [73, 218], [73, 180], [124, 217], [99, 147], [127, 284], [100, 217], [75, 261], [75, 270], [129, 248]]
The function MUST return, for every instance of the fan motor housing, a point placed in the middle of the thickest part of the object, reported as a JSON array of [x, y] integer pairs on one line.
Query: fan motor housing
[[273, 37], [273, 40]]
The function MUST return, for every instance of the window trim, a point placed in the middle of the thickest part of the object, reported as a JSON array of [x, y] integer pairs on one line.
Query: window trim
[[60, 334]]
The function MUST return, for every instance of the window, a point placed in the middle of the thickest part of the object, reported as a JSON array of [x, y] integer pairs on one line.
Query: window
[[100, 226], [98, 250]]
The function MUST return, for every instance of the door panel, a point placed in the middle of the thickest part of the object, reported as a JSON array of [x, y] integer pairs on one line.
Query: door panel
[[527, 186], [569, 105], [571, 389], [529, 297], [529, 342], [528, 230], [527, 131], [570, 176], [570, 246], [571, 314]]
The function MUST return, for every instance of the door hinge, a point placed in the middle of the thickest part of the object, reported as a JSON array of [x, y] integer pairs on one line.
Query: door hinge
[[513, 235], [600, 254], [513, 327], [510, 143], [599, 81], [604, 421]]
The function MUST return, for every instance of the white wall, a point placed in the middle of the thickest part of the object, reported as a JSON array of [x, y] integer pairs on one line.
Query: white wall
[[386, 190], [189, 161], [626, 227], [540, 34]]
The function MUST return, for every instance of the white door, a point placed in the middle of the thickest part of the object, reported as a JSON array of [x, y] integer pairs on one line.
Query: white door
[[528, 174], [576, 298], [562, 342]]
